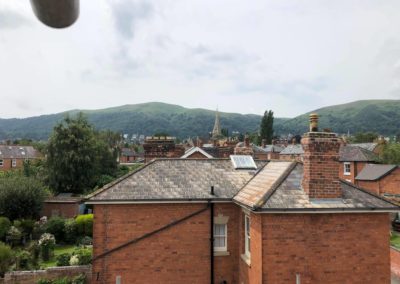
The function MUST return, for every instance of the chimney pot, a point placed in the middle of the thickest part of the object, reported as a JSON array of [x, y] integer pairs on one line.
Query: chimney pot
[[314, 122]]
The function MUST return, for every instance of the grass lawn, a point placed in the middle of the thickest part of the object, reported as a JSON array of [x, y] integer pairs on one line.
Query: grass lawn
[[395, 240], [57, 251]]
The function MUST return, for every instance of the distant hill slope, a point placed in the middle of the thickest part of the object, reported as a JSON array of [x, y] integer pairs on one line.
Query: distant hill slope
[[147, 118], [382, 116]]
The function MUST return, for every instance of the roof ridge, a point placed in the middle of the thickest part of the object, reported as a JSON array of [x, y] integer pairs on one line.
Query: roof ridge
[[275, 185], [118, 180], [367, 192]]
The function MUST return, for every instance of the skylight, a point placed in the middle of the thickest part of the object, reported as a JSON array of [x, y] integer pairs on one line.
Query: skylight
[[243, 162]]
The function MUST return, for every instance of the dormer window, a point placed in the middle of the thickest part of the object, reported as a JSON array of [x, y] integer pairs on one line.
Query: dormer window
[[346, 169]]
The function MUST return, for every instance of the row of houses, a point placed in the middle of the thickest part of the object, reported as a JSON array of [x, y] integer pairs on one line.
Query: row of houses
[[242, 220]]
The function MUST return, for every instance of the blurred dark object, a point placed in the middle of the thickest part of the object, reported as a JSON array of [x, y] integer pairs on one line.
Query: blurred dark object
[[56, 13]]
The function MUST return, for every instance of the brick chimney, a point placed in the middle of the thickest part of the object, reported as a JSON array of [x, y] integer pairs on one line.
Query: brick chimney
[[246, 141], [321, 162]]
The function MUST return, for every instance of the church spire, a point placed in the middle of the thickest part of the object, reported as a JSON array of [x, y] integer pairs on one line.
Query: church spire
[[217, 127]]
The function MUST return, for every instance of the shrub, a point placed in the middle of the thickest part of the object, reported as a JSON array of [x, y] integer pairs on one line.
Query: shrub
[[34, 250], [5, 225], [85, 241], [84, 256], [23, 259], [38, 230], [6, 256], [44, 281], [47, 243], [70, 231], [80, 279], [21, 197], [56, 227], [14, 235], [26, 226], [84, 225], [63, 259], [74, 260]]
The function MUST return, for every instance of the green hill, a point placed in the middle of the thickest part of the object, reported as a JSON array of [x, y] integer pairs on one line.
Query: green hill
[[381, 116], [147, 119]]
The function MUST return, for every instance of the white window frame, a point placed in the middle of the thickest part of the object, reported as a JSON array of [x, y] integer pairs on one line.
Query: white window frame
[[345, 172], [225, 236], [1, 162], [14, 163], [247, 238]]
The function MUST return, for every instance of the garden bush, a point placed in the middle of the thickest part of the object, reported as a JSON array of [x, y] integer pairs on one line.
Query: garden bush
[[70, 231], [63, 259], [84, 225], [26, 226], [23, 260], [84, 255], [56, 227], [80, 279], [47, 243], [85, 241], [14, 236], [5, 225], [6, 257]]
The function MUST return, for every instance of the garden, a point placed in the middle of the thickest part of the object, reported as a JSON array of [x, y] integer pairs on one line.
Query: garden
[[30, 245]]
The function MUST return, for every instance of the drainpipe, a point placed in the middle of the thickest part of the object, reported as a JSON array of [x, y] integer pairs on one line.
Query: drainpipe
[[211, 238]]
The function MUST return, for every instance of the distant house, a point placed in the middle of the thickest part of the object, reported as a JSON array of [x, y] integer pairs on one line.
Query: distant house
[[161, 147], [380, 179], [196, 153], [129, 156], [65, 205], [13, 157], [247, 148], [292, 152], [273, 151], [241, 221], [352, 160]]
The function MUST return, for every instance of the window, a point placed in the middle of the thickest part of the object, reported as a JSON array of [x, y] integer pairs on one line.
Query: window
[[220, 237], [347, 169], [14, 163], [247, 235], [1, 163]]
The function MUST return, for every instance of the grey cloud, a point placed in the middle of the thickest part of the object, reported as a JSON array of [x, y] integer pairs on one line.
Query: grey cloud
[[127, 13], [11, 20]]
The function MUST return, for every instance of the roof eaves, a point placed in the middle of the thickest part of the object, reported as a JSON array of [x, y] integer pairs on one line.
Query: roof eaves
[[368, 192], [379, 177]]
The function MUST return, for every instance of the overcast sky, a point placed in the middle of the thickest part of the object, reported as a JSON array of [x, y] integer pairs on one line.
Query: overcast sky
[[242, 56]]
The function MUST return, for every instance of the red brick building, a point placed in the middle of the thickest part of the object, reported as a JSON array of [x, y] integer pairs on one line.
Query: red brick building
[[161, 147], [64, 205], [292, 152], [13, 157], [380, 179], [129, 156], [240, 221], [353, 159]]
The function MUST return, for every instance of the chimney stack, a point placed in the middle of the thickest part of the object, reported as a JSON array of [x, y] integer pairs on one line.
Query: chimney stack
[[247, 141], [321, 162]]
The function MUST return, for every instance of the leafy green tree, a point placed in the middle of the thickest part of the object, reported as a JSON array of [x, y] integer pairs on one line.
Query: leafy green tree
[[267, 126], [77, 155], [364, 137], [225, 132], [6, 257], [21, 197], [391, 154]]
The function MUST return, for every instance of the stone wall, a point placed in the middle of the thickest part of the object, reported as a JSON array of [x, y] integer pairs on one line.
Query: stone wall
[[31, 277]]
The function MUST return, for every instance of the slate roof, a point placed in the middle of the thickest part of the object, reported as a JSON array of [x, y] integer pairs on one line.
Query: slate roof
[[18, 152], [351, 153], [367, 146], [194, 150], [373, 172], [295, 149], [64, 198], [290, 196], [273, 148], [256, 149], [179, 179], [273, 186]]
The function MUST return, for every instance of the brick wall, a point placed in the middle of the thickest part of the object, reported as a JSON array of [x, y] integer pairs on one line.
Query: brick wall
[[30, 277], [355, 169], [321, 166], [66, 210], [389, 184], [180, 254], [7, 164], [326, 248], [395, 261]]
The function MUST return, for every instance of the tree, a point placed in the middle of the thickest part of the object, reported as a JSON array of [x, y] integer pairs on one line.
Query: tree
[[391, 154], [21, 197], [267, 127], [77, 156], [364, 137]]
